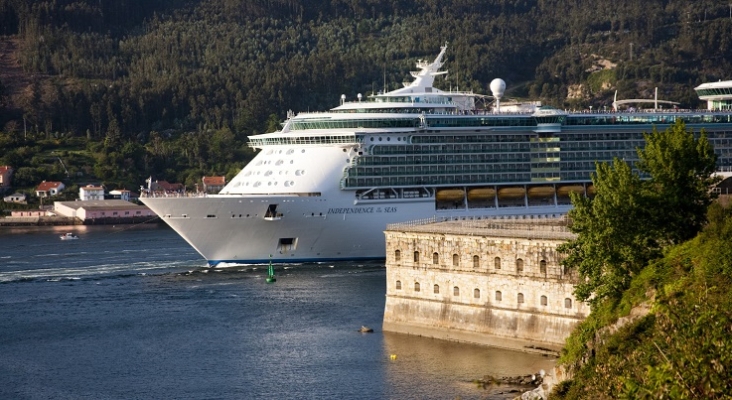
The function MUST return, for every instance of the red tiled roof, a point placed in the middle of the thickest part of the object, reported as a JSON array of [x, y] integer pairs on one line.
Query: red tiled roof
[[165, 185], [46, 186], [4, 169], [214, 180]]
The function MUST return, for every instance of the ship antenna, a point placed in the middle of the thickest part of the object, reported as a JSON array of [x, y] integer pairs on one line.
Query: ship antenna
[[384, 76]]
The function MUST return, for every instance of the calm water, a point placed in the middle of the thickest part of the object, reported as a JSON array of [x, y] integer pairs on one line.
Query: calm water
[[128, 313]]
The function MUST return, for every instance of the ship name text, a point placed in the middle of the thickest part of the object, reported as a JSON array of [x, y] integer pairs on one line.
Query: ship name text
[[362, 210]]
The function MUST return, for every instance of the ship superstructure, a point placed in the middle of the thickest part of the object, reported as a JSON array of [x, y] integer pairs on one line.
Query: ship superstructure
[[325, 186]]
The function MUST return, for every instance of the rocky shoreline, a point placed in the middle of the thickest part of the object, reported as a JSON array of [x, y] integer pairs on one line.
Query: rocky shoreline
[[541, 382]]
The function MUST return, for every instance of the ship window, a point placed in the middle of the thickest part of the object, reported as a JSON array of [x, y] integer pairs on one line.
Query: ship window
[[437, 289], [416, 256], [567, 303], [476, 261], [397, 255], [542, 267], [497, 262], [519, 266], [210, 216], [398, 285], [499, 295], [456, 291], [520, 298], [476, 293], [416, 286], [543, 301], [455, 260], [435, 258]]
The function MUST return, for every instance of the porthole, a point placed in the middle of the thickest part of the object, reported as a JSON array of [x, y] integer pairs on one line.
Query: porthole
[[290, 152]]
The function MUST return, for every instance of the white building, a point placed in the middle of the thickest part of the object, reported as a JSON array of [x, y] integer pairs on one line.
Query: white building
[[91, 192]]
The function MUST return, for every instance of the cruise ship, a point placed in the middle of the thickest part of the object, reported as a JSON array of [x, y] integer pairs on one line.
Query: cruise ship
[[325, 186]]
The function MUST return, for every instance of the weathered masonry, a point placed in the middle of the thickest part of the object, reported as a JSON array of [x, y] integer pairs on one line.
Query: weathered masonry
[[494, 282]]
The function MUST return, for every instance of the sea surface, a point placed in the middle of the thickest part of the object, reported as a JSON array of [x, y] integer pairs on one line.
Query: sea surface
[[133, 312]]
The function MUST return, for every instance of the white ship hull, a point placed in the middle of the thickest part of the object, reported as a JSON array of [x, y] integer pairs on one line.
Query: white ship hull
[[323, 229]]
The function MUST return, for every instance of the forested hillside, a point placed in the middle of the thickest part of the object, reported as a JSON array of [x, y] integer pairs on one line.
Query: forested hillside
[[172, 88]]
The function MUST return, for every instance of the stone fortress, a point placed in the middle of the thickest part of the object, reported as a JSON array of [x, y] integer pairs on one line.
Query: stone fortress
[[491, 281]]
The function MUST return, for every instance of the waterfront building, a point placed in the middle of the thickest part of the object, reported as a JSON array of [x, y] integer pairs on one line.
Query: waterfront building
[[488, 281], [91, 192], [48, 189]]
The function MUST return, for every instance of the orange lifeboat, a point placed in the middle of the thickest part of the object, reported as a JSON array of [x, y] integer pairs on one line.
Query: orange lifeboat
[[541, 191], [511, 193], [450, 195], [591, 191], [564, 191], [481, 194]]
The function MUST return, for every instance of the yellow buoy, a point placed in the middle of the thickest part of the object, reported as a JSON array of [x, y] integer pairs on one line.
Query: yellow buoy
[[393, 356]]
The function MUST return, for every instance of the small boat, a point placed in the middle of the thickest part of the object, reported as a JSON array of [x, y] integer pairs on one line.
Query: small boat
[[270, 272], [68, 236]]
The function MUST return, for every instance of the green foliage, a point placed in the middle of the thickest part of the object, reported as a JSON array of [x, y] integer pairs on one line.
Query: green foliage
[[681, 350], [598, 80], [630, 221], [681, 166]]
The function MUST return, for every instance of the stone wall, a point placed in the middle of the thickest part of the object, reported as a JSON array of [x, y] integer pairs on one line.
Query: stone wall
[[481, 282]]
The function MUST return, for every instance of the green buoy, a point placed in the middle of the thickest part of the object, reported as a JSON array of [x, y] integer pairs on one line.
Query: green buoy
[[270, 272]]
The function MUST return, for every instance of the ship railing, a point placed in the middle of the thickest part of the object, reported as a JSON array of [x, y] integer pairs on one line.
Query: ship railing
[[156, 194]]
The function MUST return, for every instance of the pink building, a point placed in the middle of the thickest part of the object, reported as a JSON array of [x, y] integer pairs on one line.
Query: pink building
[[101, 209]]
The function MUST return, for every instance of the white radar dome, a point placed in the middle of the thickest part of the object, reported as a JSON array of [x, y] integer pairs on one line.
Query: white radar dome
[[498, 87]]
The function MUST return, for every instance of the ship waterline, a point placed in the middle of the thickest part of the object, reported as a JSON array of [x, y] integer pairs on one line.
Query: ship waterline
[[326, 185]]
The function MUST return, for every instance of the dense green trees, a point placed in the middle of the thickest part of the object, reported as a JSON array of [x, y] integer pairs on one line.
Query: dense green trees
[[680, 349], [660, 247], [631, 220], [181, 68]]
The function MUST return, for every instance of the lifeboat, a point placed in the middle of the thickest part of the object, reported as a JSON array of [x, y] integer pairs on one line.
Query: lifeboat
[[450, 195], [541, 191], [511, 193], [564, 191], [481, 194], [591, 190]]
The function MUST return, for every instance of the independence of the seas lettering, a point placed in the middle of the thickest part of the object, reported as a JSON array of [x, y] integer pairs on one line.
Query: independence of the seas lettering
[[362, 210]]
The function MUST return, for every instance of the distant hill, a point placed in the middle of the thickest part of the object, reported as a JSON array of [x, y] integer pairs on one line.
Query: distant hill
[[159, 72]]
